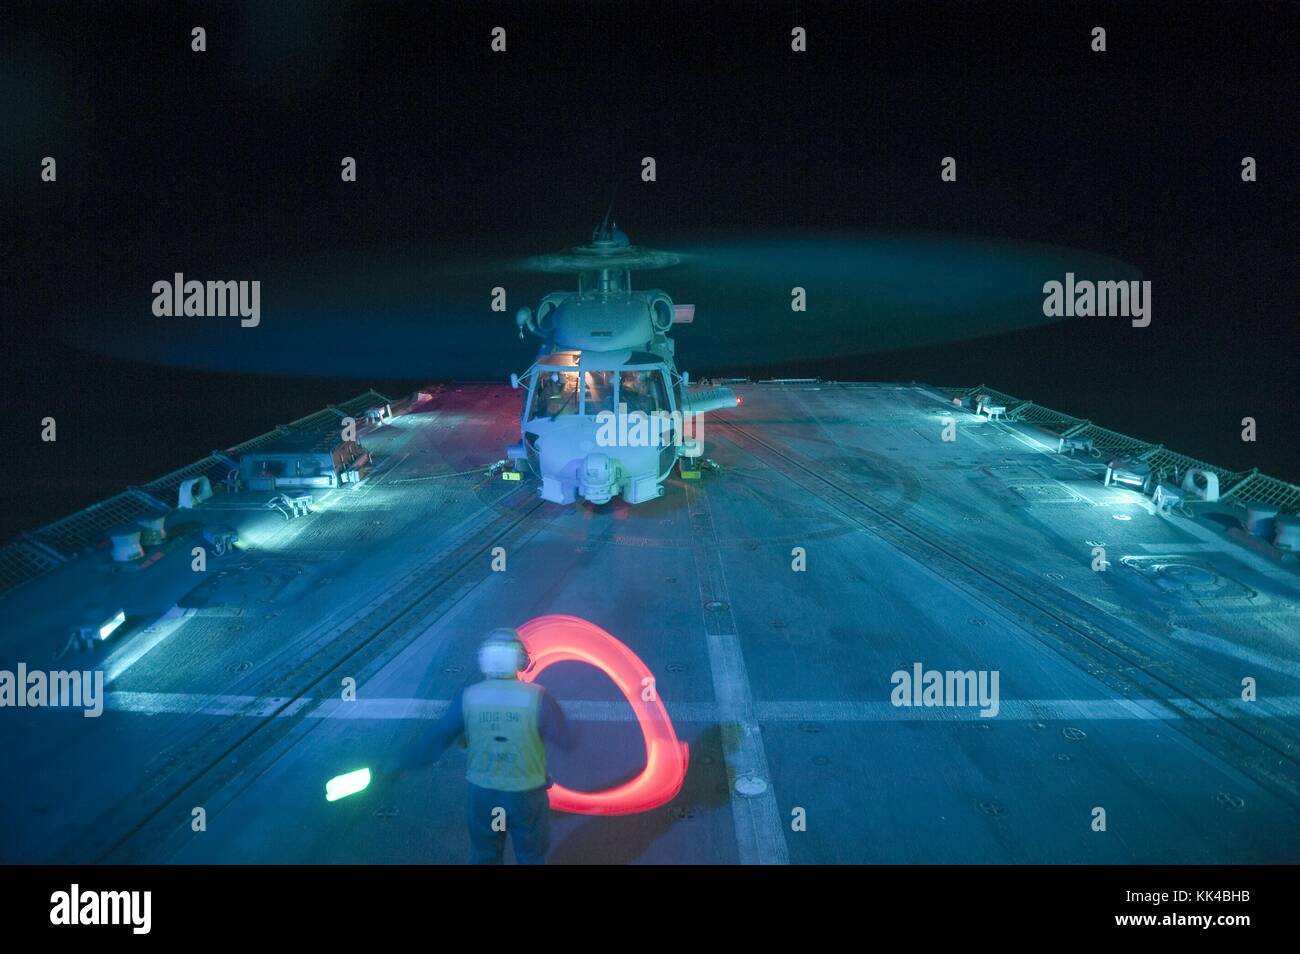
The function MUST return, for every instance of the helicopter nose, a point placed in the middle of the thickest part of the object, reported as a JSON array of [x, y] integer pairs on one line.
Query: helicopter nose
[[597, 478], [596, 467]]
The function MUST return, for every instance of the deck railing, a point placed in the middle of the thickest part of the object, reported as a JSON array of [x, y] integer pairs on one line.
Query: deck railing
[[38, 551], [1246, 486]]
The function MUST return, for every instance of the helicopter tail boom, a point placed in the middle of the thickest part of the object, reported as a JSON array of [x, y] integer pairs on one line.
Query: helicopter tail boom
[[714, 399]]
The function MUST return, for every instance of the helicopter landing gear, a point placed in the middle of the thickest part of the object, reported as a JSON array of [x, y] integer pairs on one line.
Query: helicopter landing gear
[[692, 468]]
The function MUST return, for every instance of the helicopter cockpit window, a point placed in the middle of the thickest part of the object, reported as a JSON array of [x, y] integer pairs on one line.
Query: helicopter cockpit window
[[556, 393], [606, 281], [642, 391], [598, 391]]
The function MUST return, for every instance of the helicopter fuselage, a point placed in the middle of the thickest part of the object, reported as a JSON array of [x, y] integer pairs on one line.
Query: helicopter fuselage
[[605, 411]]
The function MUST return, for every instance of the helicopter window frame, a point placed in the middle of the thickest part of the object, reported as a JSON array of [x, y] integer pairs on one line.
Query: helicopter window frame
[[667, 398], [544, 371], [582, 389], [662, 388]]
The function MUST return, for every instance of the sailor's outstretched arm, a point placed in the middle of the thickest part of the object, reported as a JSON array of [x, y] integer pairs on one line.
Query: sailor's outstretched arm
[[427, 746]]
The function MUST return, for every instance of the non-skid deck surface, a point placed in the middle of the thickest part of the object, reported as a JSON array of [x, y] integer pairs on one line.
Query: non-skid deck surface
[[1119, 690]]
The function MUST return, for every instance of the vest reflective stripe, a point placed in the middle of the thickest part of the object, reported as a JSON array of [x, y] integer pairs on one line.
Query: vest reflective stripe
[[505, 746]]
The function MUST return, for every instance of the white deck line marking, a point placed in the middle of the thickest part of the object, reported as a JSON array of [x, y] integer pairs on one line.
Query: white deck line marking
[[783, 712], [141, 643], [760, 834]]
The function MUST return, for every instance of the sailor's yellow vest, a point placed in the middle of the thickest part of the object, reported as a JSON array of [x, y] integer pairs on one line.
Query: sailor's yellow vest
[[505, 746]]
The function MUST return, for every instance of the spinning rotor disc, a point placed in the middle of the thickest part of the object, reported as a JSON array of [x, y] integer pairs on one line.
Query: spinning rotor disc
[[598, 255]]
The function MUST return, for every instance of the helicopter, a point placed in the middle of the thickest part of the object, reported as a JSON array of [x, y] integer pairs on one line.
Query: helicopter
[[605, 411]]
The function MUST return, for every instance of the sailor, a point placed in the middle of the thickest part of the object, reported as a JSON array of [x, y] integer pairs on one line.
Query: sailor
[[505, 723]]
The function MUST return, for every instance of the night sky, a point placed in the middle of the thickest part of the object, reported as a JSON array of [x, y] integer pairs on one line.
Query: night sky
[[225, 165]]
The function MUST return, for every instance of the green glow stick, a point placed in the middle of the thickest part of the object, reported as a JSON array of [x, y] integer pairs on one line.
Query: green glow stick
[[341, 786]]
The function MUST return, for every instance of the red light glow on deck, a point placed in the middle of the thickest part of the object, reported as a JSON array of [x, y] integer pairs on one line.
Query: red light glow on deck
[[555, 638]]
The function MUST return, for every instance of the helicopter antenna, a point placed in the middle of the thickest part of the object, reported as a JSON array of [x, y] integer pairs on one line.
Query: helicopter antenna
[[613, 192]]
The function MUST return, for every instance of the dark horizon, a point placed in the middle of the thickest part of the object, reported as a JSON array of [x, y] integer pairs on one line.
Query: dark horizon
[[224, 163]]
